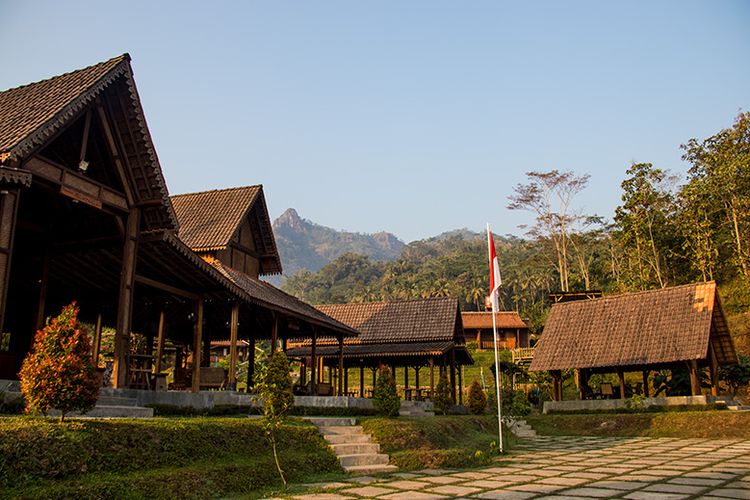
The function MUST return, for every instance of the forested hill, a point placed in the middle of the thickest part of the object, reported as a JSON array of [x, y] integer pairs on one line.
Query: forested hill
[[305, 245]]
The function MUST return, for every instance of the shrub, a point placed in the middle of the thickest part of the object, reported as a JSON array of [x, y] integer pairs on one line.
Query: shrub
[[275, 389], [442, 400], [59, 373], [385, 398], [514, 403], [477, 400]]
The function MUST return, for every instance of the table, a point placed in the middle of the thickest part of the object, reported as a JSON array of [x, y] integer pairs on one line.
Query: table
[[140, 371]]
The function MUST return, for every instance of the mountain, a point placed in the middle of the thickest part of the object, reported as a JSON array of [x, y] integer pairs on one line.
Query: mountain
[[304, 244]]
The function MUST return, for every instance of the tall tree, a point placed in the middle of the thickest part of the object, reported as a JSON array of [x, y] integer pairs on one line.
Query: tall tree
[[550, 195]]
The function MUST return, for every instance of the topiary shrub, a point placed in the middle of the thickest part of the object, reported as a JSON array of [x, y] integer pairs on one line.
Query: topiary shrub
[[477, 400], [385, 397], [442, 400], [59, 373]]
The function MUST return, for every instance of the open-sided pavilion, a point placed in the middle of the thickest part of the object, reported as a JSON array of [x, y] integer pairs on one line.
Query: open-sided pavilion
[[678, 327]]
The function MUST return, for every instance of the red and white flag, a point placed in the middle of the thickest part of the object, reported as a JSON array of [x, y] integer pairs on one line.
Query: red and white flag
[[495, 279]]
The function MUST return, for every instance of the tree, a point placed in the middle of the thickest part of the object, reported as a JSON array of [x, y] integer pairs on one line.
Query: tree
[[477, 399], [385, 397], [441, 399], [275, 390], [550, 196], [59, 372], [696, 220], [736, 376]]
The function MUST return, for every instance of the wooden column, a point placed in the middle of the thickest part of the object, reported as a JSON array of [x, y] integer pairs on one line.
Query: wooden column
[[341, 365], [346, 381], [125, 302], [695, 384], [250, 362], [314, 363], [557, 393], [582, 377], [233, 325], [714, 370], [160, 341], [274, 333], [406, 377], [43, 283], [432, 376], [416, 376], [362, 381], [621, 376], [460, 385], [453, 375], [645, 383], [8, 215], [197, 339], [374, 378], [97, 340]]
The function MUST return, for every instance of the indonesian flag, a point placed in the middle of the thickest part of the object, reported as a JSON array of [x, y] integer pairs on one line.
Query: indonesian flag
[[495, 279]]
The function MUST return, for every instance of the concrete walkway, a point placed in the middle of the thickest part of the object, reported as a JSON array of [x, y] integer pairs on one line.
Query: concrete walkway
[[576, 467]]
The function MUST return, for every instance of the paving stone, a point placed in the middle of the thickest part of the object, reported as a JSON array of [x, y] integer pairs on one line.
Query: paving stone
[[613, 470], [695, 481], [473, 475], [619, 485], [436, 472], [650, 495], [406, 475], [414, 495], [406, 484], [545, 472], [567, 468], [536, 487], [659, 472], [506, 495], [738, 484], [731, 493], [327, 486], [455, 490], [675, 488], [711, 475], [368, 491], [562, 481], [502, 470], [590, 492], [322, 496], [587, 475], [443, 479], [514, 478], [364, 479]]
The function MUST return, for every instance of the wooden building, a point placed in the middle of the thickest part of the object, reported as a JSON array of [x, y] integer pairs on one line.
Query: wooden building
[[512, 331], [85, 215], [678, 327], [417, 334]]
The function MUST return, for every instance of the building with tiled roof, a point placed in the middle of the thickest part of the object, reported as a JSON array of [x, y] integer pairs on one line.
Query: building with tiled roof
[[512, 331]]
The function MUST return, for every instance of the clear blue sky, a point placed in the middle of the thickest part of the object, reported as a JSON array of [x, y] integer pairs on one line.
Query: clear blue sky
[[413, 117]]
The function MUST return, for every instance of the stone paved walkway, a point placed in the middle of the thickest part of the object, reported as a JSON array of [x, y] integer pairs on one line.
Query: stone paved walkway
[[575, 468]]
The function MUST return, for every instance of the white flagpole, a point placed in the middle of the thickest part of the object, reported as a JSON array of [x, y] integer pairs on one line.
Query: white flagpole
[[497, 364]]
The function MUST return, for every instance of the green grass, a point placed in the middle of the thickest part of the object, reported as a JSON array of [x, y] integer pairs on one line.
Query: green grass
[[436, 442], [687, 424], [156, 458]]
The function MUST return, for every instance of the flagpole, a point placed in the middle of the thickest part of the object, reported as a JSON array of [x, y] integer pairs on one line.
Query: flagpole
[[497, 364]]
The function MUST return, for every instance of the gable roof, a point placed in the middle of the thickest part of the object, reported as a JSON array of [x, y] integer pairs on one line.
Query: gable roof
[[209, 219], [32, 114], [635, 329], [426, 320], [483, 320]]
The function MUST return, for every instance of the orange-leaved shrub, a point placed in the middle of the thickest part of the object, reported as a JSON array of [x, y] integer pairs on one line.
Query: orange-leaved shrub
[[58, 373]]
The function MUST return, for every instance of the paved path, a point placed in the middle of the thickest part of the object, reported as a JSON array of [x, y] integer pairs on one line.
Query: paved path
[[576, 467]]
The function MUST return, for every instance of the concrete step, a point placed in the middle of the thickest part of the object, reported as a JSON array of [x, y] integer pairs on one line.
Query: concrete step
[[116, 401], [348, 429], [110, 412], [738, 407], [346, 438], [416, 413], [331, 421], [355, 448], [363, 459], [370, 469]]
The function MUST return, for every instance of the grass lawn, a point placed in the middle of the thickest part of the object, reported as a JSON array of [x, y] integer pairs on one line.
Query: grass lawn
[[155, 458], [687, 424]]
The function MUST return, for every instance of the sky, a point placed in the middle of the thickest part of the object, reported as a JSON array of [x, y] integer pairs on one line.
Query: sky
[[411, 117]]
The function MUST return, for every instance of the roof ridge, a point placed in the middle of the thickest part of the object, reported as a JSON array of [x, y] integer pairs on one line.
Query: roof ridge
[[640, 292], [233, 188], [402, 301], [122, 57]]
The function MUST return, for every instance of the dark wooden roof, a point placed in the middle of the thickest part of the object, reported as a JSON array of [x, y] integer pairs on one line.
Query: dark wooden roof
[[402, 350], [483, 320], [210, 219], [32, 114], [15, 176], [656, 327]]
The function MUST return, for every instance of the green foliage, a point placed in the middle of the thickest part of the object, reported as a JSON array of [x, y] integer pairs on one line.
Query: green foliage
[[385, 398], [58, 373], [477, 399], [514, 403], [441, 399], [736, 376]]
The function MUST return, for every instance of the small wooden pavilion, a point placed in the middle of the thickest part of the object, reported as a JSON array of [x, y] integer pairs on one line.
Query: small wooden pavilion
[[512, 331], [404, 334], [678, 327], [85, 215]]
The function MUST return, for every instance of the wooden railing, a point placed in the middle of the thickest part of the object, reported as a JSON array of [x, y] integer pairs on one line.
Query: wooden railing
[[522, 354]]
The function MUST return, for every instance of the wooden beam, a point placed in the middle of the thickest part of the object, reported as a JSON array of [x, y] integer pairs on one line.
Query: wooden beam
[[8, 215], [274, 332], [460, 385], [197, 340], [233, 322], [114, 150], [160, 341], [621, 376], [43, 283], [453, 374], [125, 303], [362, 381], [97, 340], [85, 138], [645, 383], [166, 288], [695, 385], [432, 376], [714, 369], [314, 363], [250, 362], [341, 365]]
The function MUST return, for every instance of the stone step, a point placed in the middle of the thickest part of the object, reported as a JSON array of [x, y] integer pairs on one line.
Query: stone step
[[738, 407], [116, 401], [415, 413], [363, 459], [346, 438], [355, 448], [331, 421], [347, 429], [370, 469]]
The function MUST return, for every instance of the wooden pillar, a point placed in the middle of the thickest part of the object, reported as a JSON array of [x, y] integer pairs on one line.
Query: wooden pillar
[[284, 342], [314, 363], [713, 369], [416, 376], [432, 376], [233, 325], [125, 302], [160, 341], [374, 378], [302, 372], [479, 339], [341, 365], [453, 375], [43, 283], [274, 332], [97, 340], [645, 383], [362, 381], [346, 381], [250, 362], [406, 377], [557, 393], [695, 385], [582, 383], [8, 215], [460, 385], [197, 339], [621, 376]]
